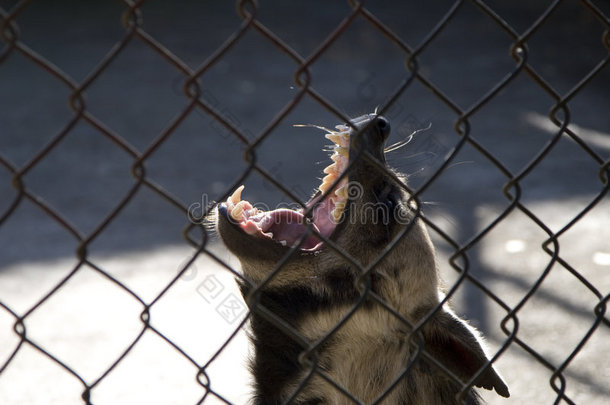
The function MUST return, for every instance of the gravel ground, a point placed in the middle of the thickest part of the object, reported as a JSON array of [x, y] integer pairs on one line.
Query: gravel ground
[[90, 321]]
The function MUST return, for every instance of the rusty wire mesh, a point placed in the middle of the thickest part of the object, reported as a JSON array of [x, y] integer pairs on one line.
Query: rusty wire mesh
[[196, 99]]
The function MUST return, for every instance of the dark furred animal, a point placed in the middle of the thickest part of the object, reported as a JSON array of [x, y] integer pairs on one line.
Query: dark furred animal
[[362, 207]]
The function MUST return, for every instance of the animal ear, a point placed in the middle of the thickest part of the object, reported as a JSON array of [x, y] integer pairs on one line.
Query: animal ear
[[456, 345]]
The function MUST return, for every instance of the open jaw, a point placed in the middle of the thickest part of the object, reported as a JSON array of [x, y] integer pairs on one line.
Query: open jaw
[[289, 227]]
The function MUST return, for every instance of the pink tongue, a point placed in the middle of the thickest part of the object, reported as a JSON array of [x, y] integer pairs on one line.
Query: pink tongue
[[288, 225]]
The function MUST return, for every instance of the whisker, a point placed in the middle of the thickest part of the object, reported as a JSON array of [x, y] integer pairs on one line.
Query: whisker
[[404, 142], [424, 154], [416, 172], [460, 163], [313, 126]]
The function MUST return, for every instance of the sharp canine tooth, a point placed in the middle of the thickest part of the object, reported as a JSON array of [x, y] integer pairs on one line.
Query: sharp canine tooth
[[283, 242], [237, 211], [236, 196]]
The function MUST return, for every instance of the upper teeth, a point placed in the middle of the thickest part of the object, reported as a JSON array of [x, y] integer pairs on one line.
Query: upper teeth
[[341, 151], [340, 139], [330, 169], [340, 159], [340, 156]]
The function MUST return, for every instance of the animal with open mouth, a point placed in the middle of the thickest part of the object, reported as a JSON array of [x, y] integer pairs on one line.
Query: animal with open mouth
[[353, 273]]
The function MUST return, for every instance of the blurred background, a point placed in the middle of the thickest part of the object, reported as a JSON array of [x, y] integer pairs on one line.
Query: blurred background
[[68, 177]]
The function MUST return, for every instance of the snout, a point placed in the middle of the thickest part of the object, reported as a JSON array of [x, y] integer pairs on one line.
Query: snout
[[383, 127], [371, 134], [378, 123]]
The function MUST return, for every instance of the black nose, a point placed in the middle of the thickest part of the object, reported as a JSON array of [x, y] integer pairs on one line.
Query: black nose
[[383, 126]]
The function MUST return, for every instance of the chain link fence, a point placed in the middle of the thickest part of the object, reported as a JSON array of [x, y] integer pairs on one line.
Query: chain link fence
[[172, 106]]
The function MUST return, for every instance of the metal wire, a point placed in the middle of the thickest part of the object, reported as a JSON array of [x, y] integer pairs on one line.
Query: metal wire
[[197, 235]]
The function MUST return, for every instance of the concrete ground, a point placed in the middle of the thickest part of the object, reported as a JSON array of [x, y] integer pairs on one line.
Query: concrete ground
[[90, 321]]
